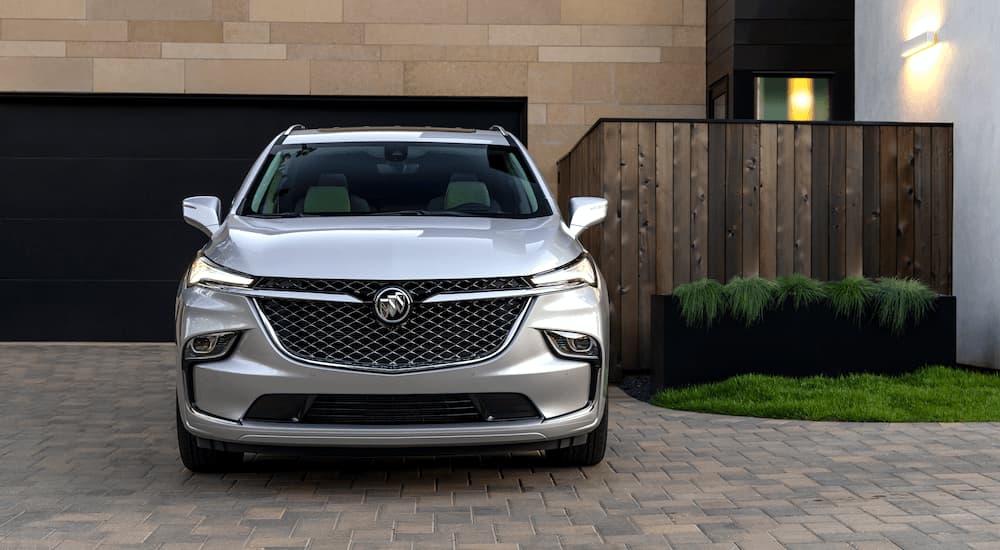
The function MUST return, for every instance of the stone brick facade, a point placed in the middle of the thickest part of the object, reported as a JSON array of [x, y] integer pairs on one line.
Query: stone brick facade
[[575, 60]]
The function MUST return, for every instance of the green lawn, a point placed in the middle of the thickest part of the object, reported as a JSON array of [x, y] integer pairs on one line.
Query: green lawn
[[931, 394]]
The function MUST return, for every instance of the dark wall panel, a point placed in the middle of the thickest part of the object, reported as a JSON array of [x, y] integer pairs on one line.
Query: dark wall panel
[[91, 235], [97, 249], [806, 37], [128, 188]]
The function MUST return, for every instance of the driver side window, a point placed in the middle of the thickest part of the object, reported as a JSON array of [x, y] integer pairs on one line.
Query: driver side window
[[264, 200]]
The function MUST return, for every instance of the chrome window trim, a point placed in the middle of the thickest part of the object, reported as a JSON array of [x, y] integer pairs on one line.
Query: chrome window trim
[[273, 337]]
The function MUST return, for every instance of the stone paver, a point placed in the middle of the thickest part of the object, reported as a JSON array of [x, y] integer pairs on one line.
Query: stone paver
[[88, 459]]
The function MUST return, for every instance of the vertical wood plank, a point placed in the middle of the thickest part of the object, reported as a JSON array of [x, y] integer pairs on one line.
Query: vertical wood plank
[[570, 183], [887, 201], [734, 200], [904, 201], [803, 204], [853, 218], [821, 203], [664, 207], [942, 201], [751, 200], [576, 167], [682, 203], [923, 203], [871, 234], [611, 247], [717, 201], [699, 201], [562, 181], [768, 200], [838, 203], [595, 188], [647, 237], [629, 281], [785, 205]]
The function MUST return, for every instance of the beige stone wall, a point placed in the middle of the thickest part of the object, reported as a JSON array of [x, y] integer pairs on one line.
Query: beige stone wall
[[575, 60]]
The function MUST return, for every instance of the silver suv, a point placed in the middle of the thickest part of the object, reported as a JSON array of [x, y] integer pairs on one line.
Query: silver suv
[[399, 290]]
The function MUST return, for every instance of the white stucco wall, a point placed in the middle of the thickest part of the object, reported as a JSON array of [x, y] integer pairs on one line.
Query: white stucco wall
[[958, 80]]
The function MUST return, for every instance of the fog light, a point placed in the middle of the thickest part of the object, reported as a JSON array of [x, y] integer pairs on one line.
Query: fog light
[[573, 345], [210, 346]]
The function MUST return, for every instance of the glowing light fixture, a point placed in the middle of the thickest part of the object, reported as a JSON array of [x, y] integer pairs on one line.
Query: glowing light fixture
[[919, 43], [801, 100]]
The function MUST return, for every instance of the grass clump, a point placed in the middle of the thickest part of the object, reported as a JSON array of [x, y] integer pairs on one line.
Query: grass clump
[[901, 301], [749, 299], [800, 290], [930, 394], [701, 302], [849, 298], [895, 303]]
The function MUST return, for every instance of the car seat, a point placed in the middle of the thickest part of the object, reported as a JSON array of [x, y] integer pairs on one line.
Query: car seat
[[463, 189], [331, 194]]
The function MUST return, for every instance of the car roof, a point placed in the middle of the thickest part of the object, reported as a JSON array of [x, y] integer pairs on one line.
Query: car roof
[[396, 133]]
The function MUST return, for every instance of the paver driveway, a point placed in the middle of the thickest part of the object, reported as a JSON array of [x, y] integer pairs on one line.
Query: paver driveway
[[87, 457]]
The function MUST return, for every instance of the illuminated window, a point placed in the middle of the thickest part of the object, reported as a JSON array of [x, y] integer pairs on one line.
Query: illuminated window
[[784, 98]]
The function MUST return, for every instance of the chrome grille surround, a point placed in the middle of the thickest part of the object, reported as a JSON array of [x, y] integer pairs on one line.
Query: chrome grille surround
[[434, 335], [420, 289]]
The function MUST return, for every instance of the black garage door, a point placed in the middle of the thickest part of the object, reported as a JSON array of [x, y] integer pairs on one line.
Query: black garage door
[[91, 241]]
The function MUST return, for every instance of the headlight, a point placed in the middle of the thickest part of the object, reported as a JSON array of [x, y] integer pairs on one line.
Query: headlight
[[205, 272], [578, 272]]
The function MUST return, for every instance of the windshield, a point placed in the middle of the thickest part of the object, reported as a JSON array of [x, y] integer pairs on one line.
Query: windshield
[[371, 179]]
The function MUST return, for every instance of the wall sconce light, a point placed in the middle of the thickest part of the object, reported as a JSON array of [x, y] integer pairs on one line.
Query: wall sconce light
[[919, 43]]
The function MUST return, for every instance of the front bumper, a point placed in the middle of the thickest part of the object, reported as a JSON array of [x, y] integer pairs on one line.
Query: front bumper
[[214, 396]]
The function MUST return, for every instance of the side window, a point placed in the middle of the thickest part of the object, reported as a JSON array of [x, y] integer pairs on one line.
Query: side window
[[516, 170], [269, 185]]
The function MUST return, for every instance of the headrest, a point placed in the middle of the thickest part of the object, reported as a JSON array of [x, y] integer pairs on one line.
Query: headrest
[[326, 199], [332, 179], [466, 192]]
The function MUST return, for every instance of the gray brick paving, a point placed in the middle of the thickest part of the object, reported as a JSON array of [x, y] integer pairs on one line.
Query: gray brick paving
[[88, 460]]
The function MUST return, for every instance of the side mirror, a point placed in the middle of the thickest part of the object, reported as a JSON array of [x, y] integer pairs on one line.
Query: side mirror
[[586, 212], [203, 213]]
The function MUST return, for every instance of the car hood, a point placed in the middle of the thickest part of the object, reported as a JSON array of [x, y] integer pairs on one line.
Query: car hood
[[392, 247]]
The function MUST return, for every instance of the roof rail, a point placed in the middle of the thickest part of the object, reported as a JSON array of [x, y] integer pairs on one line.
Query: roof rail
[[506, 135], [292, 128]]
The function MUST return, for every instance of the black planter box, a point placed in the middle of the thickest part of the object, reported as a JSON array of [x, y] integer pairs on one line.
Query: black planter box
[[805, 342]]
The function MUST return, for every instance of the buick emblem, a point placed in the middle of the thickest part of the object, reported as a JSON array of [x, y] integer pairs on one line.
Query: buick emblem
[[392, 304]]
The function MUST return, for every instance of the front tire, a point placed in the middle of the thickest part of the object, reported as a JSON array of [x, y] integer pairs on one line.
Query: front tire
[[201, 460], [590, 453]]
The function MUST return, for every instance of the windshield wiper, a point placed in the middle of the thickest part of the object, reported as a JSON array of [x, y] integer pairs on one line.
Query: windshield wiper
[[422, 213], [279, 215], [401, 213]]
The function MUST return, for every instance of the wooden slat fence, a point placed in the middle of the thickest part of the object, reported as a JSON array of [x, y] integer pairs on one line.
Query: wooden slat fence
[[692, 199]]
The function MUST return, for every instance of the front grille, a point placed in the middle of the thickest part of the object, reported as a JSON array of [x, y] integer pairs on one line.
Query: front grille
[[419, 289], [433, 334], [385, 409]]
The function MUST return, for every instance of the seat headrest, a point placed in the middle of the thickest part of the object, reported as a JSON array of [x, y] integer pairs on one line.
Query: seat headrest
[[466, 192], [463, 176], [326, 199], [332, 179]]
